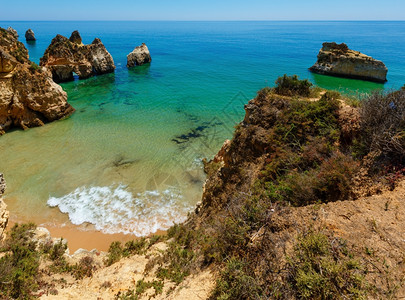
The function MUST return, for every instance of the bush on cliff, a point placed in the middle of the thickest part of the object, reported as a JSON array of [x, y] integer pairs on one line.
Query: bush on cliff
[[19, 266], [323, 269], [292, 86], [383, 127]]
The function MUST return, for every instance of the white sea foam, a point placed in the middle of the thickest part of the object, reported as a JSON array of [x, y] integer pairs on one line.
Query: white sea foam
[[116, 210]]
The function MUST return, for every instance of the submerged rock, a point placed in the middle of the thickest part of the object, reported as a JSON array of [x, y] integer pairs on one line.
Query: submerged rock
[[63, 57], [338, 60], [28, 95], [13, 32], [139, 56], [76, 38], [29, 35]]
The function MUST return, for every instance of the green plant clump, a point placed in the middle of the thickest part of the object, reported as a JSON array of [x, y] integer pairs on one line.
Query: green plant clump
[[19, 266], [116, 251], [292, 86], [236, 283], [320, 269]]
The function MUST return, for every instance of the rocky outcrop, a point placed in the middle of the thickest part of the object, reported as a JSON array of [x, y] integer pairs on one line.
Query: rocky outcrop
[[13, 32], [30, 36], [28, 95], [139, 56], [76, 38], [63, 57], [4, 214], [338, 60]]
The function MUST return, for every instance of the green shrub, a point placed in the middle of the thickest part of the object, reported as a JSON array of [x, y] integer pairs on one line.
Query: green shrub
[[19, 266], [292, 86], [383, 126], [84, 268], [176, 264], [115, 252], [330, 96], [57, 251], [322, 269], [135, 247], [155, 239], [235, 282]]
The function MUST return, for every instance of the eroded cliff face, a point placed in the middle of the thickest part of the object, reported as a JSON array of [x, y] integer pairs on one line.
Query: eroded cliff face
[[65, 56], [28, 95], [339, 60], [4, 214]]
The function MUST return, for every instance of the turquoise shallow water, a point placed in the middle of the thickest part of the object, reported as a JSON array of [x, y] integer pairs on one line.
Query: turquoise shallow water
[[129, 159]]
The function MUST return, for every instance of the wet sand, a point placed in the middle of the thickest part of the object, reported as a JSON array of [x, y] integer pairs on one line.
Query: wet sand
[[86, 239]]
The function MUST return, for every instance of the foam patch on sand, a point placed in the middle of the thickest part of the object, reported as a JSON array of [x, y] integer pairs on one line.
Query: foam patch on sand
[[116, 210]]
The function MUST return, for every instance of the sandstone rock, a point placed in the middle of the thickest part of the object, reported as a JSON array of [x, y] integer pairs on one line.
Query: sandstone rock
[[339, 60], [28, 95], [101, 60], [7, 63], [63, 57], [30, 36], [139, 56], [4, 214], [76, 38], [13, 32]]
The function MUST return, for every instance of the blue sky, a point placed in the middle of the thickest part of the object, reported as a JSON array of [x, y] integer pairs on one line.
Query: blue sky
[[203, 10]]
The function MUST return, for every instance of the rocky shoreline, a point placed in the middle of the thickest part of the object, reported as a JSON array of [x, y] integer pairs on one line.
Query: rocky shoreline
[[28, 95]]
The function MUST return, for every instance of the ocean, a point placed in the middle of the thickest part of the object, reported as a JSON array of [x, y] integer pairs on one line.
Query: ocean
[[129, 159]]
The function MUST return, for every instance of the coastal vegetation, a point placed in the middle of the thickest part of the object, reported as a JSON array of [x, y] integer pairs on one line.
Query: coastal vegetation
[[306, 156], [299, 150]]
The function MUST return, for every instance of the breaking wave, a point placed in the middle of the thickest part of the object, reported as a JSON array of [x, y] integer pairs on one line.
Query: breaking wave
[[116, 210]]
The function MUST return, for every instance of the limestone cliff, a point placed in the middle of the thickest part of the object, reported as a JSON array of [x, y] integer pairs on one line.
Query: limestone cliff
[[28, 95], [64, 56], [4, 214], [339, 60]]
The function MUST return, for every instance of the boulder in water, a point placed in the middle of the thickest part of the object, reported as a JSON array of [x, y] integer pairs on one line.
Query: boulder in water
[[30, 36], [139, 56]]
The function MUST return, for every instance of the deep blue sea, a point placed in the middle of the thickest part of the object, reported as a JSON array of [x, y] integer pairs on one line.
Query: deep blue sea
[[129, 159]]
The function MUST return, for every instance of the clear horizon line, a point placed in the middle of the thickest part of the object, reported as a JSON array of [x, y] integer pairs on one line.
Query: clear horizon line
[[247, 20]]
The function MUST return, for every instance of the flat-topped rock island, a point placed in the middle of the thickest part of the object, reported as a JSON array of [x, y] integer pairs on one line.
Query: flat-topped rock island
[[338, 60]]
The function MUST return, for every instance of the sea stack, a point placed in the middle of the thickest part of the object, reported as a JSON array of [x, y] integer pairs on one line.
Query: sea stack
[[65, 56], [30, 36], [28, 95], [139, 56], [338, 60]]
